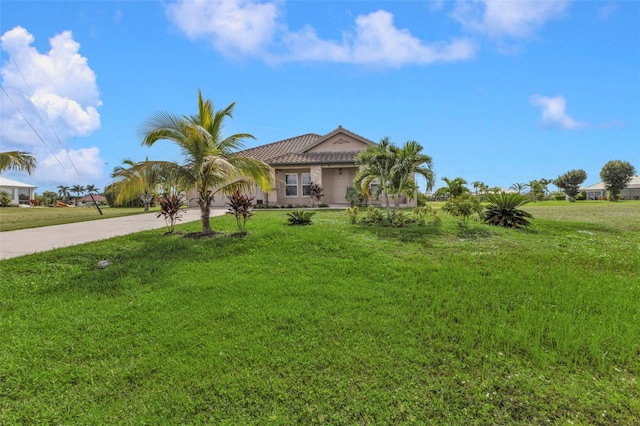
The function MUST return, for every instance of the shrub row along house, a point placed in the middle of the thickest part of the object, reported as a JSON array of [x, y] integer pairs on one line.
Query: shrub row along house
[[297, 162]]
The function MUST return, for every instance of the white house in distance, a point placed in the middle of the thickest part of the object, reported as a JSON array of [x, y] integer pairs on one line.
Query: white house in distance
[[598, 191], [19, 193]]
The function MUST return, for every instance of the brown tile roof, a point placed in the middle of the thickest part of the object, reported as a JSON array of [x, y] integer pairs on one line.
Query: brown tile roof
[[292, 151]]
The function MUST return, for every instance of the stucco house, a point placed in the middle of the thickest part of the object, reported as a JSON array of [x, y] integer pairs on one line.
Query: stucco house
[[598, 191], [328, 160], [19, 193]]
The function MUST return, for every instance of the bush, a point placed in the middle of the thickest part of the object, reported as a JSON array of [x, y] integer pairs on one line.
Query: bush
[[300, 217], [352, 212], [241, 207], [373, 215], [558, 196], [5, 200], [354, 197], [581, 196], [503, 210], [398, 218], [170, 209], [422, 200], [315, 191], [421, 212], [463, 206]]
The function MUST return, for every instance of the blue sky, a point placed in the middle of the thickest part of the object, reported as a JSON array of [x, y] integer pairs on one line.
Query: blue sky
[[495, 91]]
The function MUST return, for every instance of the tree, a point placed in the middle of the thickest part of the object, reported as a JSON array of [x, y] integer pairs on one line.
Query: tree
[[138, 180], [17, 160], [536, 190], [409, 162], [78, 190], [570, 182], [64, 193], [455, 187], [615, 175], [211, 163], [518, 187], [464, 205], [377, 163], [91, 189], [478, 186], [49, 198]]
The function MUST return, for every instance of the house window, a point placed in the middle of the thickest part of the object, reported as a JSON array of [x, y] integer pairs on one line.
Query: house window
[[306, 184], [291, 185], [374, 186]]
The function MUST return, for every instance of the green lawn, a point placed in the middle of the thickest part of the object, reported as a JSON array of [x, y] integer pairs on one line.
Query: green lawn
[[13, 218], [331, 324]]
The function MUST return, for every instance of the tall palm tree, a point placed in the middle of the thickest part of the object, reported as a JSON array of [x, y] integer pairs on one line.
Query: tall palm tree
[[63, 191], [138, 180], [518, 187], [211, 163], [455, 187], [410, 161], [478, 185], [78, 190], [376, 163], [17, 160], [91, 189]]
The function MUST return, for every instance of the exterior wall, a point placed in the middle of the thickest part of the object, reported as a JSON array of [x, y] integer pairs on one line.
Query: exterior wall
[[282, 199], [19, 195]]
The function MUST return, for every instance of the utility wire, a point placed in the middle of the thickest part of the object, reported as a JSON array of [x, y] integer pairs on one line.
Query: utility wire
[[46, 116], [32, 128]]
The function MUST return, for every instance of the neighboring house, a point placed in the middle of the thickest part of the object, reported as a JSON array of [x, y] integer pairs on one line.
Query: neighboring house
[[598, 192], [87, 199], [19, 193], [297, 162]]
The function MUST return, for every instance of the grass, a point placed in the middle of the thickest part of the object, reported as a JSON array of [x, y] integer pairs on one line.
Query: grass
[[12, 219], [329, 324]]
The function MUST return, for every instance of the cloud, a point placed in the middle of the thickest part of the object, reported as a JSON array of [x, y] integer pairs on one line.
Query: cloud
[[87, 161], [499, 18], [56, 90], [233, 27], [607, 10], [249, 28], [554, 113]]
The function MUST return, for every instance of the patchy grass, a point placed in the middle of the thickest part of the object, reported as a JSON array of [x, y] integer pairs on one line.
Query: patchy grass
[[328, 324], [13, 218]]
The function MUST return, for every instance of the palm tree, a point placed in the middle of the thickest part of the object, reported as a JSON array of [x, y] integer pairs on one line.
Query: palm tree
[[211, 163], [138, 180], [518, 187], [17, 160], [410, 161], [91, 189], [478, 185], [377, 164], [455, 187], [78, 190], [63, 191]]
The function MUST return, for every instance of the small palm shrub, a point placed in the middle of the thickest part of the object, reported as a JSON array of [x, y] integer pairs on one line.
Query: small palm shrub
[[352, 212], [300, 217], [504, 210], [241, 207], [170, 209]]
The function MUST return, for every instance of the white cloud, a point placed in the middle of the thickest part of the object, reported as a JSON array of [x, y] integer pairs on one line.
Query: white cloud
[[554, 113], [249, 28], [233, 27], [87, 161], [607, 10], [500, 18], [56, 90]]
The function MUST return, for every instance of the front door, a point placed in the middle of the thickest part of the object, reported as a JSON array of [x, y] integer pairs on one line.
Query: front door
[[343, 179]]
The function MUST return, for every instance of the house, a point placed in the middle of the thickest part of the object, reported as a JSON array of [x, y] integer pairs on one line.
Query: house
[[328, 160], [86, 199], [19, 193], [598, 191]]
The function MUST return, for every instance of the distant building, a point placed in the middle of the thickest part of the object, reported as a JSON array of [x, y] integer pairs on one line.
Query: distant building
[[599, 192], [19, 193]]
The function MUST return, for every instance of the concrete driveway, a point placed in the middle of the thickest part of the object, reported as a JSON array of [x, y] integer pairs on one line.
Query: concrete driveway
[[34, 240]]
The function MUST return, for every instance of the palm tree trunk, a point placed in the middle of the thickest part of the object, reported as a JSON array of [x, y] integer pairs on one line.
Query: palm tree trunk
[[386, 202], [205, 212]]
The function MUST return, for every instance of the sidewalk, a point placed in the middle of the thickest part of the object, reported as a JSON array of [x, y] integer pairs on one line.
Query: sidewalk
[[34, 240]]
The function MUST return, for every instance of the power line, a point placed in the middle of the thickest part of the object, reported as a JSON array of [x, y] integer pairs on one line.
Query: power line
[[32, 128], [46, 116]]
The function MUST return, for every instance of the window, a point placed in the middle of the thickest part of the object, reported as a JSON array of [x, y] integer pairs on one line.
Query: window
[[374, 186], [306, 184], [291, 185]]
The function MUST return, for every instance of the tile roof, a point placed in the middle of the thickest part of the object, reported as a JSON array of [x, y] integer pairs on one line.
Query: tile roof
[[292, 151], [632, 184]]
